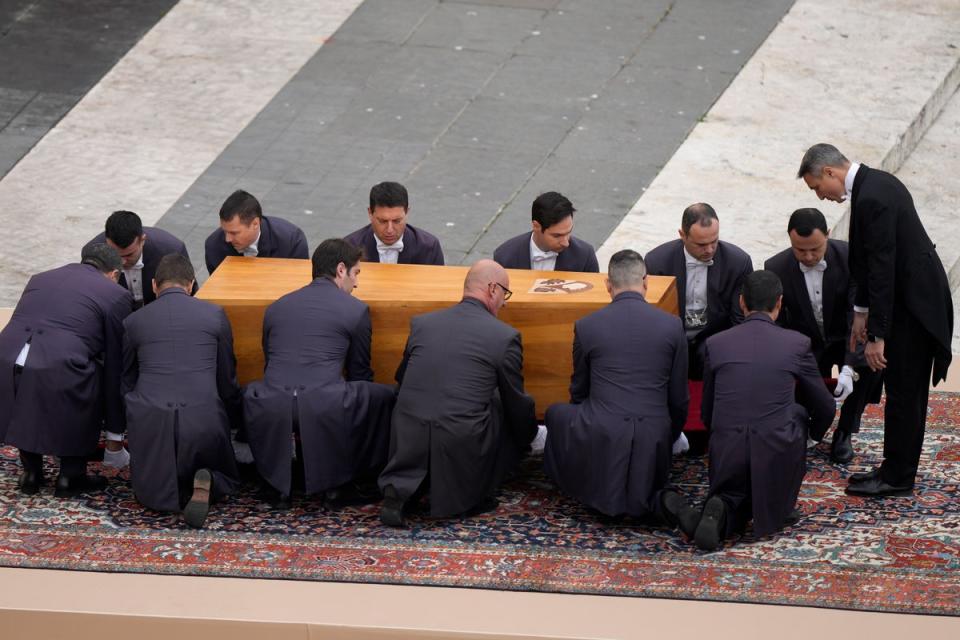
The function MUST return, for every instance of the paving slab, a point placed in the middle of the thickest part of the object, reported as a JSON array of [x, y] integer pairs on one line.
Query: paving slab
[[479, 106], [866, 75], [155, 121]]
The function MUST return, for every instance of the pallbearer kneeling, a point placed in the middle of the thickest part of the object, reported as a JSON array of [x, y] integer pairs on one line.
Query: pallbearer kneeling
[[610, 448], [762, 396], [318, 383], [181, 392], [462, 419]]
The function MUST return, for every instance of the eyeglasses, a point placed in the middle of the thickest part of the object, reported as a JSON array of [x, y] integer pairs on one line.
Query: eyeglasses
[[506, 292]]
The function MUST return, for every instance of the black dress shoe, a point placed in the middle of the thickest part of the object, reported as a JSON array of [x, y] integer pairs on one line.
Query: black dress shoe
[[856, 478], [792, 518], [73, 487], [30, 482], [391, 512], [877, 488], [678, 513], [195, 513], [712, 526], [841, 449], [278, 501], [351, 494]]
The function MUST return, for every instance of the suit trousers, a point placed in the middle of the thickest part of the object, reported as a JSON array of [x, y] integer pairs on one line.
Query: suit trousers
[[909, 351], [70, 466], [863, 389]]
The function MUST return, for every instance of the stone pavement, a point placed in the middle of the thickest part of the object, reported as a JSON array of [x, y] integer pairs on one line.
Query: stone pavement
[[52, 53], [478, 106]]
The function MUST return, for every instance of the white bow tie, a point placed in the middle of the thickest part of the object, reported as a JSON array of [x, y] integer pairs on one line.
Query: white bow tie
[[820, 266], [396, 246], [544, 256], [699, 263]]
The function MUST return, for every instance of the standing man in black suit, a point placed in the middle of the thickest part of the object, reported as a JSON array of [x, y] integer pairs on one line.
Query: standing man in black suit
[[610, 447], [140, 248], [709, 274], [60, 366], [180, 388], [818, 302], [388, 238], [462, 420], [903, 311], [551, 245], [318, 383], [245, 231], [762, 398]]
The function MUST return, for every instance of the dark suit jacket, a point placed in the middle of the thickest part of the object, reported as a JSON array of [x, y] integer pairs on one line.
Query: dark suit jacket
[[419, 246], [158, 244], [316, 343], [611, 447], [724, 279], [181, 389], [838, 292], [895, 265], [754, 375], [461, 412], [579, 256], [278, 239], [73, 319]]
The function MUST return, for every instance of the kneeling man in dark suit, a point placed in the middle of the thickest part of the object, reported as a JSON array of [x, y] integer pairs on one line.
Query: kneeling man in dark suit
[[318, 383], [462, 419], [181, 392], [763, 396], [610, 448]]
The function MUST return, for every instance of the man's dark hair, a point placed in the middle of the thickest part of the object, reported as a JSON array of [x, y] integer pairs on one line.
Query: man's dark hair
[[122, 228], [550, 208], [760, 291], [240, 203], [332, 252], [699, 213], [389, 195], [101, 256], [626, 269], [175, 268], [806, 221]]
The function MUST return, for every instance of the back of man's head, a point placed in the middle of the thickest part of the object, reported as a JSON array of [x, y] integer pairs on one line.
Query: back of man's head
[[330, 253], [626, 270], [819, 156], [174, 269], [761, 291], [550, 208], [698, 213], [101, 256], [389, 195], [122, 228], [806, 221], [240, 203]]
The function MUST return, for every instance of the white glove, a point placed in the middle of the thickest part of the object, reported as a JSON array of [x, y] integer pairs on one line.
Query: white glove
[[116, 459], [844, 384], [681, 445], [539, 440], [811, 443]]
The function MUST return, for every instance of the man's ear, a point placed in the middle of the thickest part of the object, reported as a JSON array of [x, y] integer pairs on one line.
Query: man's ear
[[682, 235], [536, 226], [743, 306], [153, 283]]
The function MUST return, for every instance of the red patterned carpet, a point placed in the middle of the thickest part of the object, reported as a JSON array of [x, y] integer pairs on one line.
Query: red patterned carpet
[[895, 554]]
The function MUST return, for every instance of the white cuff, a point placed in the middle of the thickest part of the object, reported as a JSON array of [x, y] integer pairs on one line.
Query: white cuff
[[861, 309], [113, 437]]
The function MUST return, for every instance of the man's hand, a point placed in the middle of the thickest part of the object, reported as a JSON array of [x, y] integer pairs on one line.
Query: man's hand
[[858, 334], [681, 445], [844, 384], [874, 355]]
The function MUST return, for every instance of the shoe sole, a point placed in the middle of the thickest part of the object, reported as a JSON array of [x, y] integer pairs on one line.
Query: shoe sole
[[195, 513], [708, 535]]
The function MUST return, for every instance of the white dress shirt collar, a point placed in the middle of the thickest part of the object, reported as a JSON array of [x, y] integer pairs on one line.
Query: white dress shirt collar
[[134, 278], [389, 253], [541, 260], [252, 251], [848, 180]]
